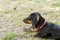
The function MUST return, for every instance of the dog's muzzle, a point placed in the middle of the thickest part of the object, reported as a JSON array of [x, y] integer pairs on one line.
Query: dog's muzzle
[[27, 21]]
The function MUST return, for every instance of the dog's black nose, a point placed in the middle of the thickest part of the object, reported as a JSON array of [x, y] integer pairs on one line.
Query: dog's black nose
[[24, 20]]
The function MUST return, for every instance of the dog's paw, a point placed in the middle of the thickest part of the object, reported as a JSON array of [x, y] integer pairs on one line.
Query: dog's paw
[[34, 36], [35, 30]]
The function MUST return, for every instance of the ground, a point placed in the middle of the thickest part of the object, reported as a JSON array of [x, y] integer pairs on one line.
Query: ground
[[12, 13]]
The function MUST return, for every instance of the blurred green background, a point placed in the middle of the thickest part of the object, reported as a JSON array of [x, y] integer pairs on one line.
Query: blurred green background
[[12, 12]]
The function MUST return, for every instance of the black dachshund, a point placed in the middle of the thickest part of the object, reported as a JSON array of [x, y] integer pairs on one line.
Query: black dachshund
[[44, 29]]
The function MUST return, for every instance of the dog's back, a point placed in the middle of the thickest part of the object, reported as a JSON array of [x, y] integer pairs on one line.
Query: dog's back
[[55, 30], [55, 26]]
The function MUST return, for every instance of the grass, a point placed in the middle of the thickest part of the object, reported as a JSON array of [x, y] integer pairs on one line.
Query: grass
[[20, 9], [9, 36], [56, 5]]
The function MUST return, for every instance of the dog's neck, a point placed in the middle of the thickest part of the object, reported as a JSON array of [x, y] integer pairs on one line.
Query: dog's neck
[[41, 26], [40, 23]]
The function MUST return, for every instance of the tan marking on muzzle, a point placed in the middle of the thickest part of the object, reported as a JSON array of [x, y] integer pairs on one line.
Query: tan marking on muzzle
[[28, 21]]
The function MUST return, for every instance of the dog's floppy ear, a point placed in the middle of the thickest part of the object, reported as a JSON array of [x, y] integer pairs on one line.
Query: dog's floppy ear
[[35, 18]]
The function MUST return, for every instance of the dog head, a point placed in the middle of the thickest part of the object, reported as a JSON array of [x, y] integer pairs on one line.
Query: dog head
[[33, 19]]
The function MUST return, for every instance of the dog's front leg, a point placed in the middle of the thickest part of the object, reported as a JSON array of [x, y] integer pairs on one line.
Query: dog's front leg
[[36, 35]]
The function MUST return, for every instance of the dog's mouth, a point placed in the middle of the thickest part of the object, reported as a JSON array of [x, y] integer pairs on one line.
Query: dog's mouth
[[27, 21]]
